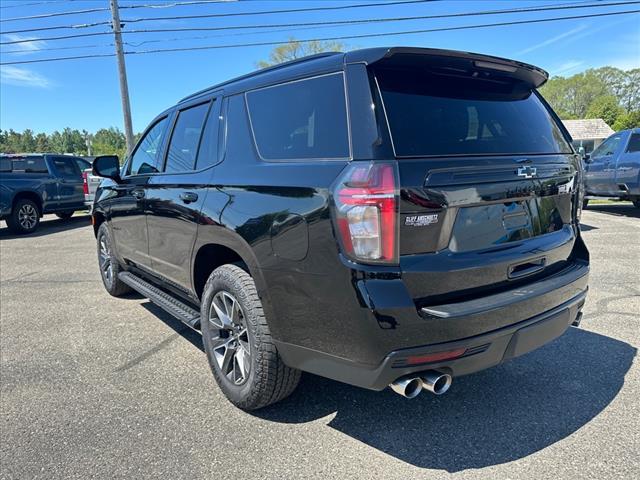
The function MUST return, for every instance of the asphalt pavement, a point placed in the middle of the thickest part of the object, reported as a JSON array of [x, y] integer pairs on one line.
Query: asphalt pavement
[[97, 387]]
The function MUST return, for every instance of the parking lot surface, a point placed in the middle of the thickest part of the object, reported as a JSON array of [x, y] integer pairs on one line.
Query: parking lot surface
[[93, 386]]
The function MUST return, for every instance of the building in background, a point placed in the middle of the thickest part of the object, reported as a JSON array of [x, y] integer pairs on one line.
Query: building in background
[[588, 133]]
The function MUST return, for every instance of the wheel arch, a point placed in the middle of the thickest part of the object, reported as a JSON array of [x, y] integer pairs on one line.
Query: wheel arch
[[29, 195], [216, 246]]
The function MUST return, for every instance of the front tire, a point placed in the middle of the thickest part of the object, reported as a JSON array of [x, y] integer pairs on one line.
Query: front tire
[[585, 202], [109, 266], [25, 217], [636, 202], [238, 343]]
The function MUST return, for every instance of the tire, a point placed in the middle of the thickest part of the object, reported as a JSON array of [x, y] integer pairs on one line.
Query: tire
[[636, 202], [108, 263], [240, 350], [64, 215], [25, 217], [585, 202]]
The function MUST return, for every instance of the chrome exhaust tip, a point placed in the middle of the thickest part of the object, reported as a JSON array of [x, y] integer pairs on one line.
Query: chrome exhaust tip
[[408, 387], [436, 382]]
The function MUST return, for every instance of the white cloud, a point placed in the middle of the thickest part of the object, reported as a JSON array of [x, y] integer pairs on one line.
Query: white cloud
[[552, 40], [30, 46], [22, 77], [567, 67]]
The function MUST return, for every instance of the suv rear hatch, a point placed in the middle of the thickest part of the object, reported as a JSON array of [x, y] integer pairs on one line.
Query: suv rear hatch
[[487, 175]]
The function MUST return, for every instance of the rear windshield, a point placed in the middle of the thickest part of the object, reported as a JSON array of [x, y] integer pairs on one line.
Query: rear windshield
[[433, 114]]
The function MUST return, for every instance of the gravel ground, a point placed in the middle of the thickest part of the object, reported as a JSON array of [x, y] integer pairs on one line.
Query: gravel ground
[[93, 386]]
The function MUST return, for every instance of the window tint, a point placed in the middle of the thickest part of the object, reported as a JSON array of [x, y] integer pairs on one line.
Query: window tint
[[185, 138], [208, 152], [303, 119], [30, 165], [634, 143], [66, 167], [435, 114], [608, 147], [82, 164], [146, 158]]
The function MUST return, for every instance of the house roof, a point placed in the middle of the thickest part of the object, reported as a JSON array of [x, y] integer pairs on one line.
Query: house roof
[[587, 129]]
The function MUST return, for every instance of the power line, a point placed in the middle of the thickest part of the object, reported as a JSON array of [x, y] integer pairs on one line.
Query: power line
[[235, 14], [92, 10], [30, 4], [337, 22], [342, 37], [55, 14], [161, 40]]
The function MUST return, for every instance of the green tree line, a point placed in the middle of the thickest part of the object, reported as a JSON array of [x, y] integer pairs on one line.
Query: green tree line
[[608, 93], [106, 141]]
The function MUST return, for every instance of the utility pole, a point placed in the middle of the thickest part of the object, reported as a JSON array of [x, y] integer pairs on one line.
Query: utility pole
[[122, 72]]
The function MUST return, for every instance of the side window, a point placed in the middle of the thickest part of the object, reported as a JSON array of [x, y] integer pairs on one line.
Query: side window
[[185, 138], [66, 167], [30, 165], [82, 164], [5, 164], [208, 151], [608, 147], [634, 143], [301, 120], [146, 158]]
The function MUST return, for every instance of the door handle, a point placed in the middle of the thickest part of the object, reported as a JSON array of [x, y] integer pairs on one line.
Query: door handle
[[138, 194], [188, 197]]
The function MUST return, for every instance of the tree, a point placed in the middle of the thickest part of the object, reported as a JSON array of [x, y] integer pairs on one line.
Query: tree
[[605, 107], [296, 49], [627, 120], [573, 95], [109, 141]]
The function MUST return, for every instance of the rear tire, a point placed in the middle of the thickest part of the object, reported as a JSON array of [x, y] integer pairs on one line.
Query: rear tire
[[64, 215], [636, 202], [238, 343], [585, 202], [25, 217], [108, 263]]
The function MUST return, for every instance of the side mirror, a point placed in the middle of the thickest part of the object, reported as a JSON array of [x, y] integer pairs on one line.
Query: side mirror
[[107, 166]]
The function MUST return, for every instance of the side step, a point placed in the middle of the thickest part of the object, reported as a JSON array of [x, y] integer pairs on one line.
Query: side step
[[169, 304]]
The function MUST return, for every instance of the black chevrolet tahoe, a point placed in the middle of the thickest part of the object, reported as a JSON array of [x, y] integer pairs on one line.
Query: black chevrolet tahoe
[[384, 217]]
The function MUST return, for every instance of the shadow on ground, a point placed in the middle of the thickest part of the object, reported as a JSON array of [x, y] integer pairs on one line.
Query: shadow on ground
[[489, 418], [492, 417], [47, 227], [616, 209]]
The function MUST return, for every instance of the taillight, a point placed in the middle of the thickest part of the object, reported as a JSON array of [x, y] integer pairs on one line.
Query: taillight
[[366, 201], [85, 184]]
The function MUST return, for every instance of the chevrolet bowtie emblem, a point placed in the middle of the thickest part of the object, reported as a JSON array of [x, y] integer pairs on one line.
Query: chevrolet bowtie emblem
[[527, 172]]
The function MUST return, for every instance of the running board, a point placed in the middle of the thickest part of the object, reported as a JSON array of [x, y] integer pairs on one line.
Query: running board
[[169, 304]]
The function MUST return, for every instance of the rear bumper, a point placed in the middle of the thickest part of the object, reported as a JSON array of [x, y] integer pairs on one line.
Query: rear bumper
[[539, 313]]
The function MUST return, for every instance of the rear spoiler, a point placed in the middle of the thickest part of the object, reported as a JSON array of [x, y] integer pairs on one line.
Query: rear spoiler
[[530, 75]]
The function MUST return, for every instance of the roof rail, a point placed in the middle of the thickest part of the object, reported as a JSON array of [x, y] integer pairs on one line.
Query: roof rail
[[260, 72]]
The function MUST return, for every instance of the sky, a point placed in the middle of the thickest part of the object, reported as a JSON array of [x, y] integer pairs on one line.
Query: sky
[[84, 94]]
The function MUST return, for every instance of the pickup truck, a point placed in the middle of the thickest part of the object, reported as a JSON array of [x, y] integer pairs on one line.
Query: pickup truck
[[613, 169], [32, 185]]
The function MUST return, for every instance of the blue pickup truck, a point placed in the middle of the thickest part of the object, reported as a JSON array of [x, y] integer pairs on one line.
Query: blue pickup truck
[[34, 184], [613, 169]]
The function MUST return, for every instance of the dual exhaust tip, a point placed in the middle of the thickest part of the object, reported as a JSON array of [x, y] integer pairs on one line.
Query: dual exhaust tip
[[432, 381]]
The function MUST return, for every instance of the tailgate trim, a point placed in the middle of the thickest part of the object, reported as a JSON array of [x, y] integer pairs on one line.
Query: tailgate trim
[[504, 299]]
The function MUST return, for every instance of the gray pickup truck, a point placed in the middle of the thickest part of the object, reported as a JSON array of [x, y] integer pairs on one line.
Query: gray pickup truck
[[32, 185], [613, 169]]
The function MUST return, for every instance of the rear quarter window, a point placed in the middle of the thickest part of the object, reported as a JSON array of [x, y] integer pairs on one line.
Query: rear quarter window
[[30, 165], [303, 119]]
